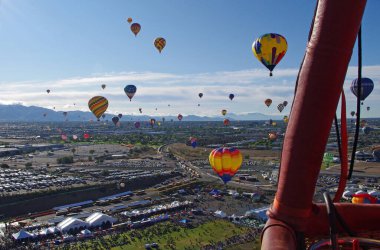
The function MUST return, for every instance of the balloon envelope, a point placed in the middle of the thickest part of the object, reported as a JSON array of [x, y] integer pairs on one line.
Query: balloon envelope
[[225, 162], [98, 105], [268, 102], [159, 43], [115, 119], [135, 28], [280, 107], [226, 122], [285, 103], [137, 124], [224, 112], [366, 88], [120, 115], [103, 86], [269, 49], [129, 20], [200, 95], [179, 117], [231, 96], [130, 90]]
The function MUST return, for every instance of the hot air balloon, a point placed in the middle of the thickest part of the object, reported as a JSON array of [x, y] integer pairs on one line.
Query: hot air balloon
[[129, 20], [368, 108], [268, 102], [86, 136], [156, 109], [364, 198], [137, 124], [152, 122], [48, 91], [75, 137], [225, 162], [120, 115], [163, 119], [224, 112], [231, 96], [130, 90], [193, 142], [274, 124], [160, 43], [44, 114], [327, 159], [64, 137], [103, 116], [280, 107], [159, 123], [140, 109], [226, 122], [352, 113], [199, 105], [98, 105], [366, 88], [115, 119], [286, 119], [363, 123], [269, 49], [179, 117], [272, 136], [200, 95], [135, 28], [285, 103], [64, 114]]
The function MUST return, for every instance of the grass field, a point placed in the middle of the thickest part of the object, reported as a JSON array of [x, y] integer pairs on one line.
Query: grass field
[[168, 236], [189, 153]]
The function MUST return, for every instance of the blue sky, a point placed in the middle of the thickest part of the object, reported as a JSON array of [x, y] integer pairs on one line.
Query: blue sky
[[72, 47]]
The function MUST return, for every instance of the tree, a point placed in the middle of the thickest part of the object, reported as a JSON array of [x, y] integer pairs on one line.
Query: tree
[[4, 165], [73, 150], [65, 160]]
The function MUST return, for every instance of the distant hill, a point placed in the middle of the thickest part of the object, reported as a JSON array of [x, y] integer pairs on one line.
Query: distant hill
[[22, 113]]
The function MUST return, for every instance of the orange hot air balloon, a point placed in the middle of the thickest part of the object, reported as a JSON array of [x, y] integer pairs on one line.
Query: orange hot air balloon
[[129, 20], [268, 102], [226, 122], [272, 136], [160, 43], [225, 162], [135, 28]]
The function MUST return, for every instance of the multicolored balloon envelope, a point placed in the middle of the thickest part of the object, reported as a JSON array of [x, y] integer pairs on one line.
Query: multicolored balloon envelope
[[98, 105], [286, 119], [180, 117], [159, 43], [366, 88], [225, 162], [364, 198], [135, 28], [269, 49], [130, 90]]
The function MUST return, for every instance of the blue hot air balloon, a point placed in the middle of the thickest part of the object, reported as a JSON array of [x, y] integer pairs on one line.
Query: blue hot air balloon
[[130, 90], [231, 96], [366, 88]]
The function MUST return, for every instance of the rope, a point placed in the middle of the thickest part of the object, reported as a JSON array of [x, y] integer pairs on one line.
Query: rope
[[331, 215], [357, 103]]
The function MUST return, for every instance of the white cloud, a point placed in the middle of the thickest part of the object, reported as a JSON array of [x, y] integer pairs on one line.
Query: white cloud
[[251, 88]]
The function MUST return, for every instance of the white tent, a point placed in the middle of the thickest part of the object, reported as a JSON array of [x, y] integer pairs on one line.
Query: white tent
[[374, 193], [360, 192], [71, 223], [86, 232], [220, 214], [21, 235], [97, 219], [347, 194]]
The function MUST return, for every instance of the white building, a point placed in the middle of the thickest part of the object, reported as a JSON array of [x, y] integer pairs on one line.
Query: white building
[[97, 219]]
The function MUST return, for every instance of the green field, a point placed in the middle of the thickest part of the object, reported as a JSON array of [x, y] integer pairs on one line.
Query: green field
[[167, 235]]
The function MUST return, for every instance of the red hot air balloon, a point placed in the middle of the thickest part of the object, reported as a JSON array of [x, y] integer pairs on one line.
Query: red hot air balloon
[[179, 117]]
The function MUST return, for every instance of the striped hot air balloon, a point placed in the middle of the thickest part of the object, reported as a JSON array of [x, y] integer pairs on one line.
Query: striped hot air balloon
[[225, 162], [98, 105], [160, 43]]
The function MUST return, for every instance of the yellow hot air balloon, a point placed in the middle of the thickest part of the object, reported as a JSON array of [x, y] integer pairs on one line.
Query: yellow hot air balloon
[[269, 49], [98, 105], [160, 43], [286, 119], [135, 28], [129, 20], [224, 112], [225, 162]]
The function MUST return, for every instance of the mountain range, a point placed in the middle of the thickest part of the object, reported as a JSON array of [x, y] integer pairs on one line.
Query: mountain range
[[20, 113]]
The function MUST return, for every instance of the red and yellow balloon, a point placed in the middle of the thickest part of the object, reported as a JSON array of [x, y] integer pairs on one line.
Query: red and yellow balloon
[[225, 162]]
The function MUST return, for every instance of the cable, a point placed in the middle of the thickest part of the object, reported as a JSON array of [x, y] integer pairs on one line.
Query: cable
[[338, 137], [331, 215], [359, 90]]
